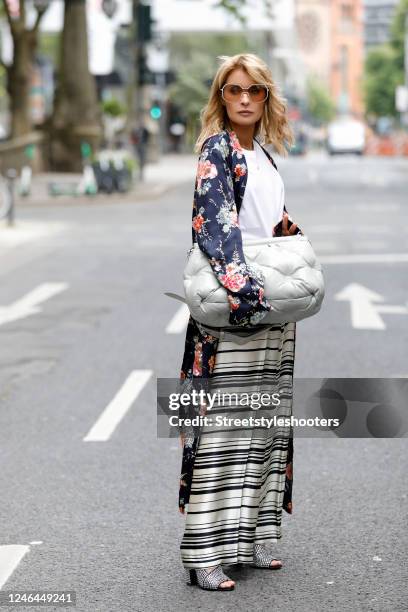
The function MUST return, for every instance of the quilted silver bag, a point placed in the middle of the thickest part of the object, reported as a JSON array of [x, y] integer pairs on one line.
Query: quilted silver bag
[[293, 284]]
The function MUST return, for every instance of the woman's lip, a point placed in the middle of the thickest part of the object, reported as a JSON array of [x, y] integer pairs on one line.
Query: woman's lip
[[245, 112]]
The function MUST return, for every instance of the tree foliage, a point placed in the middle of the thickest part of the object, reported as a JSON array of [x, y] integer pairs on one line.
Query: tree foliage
[[397, 31], [319, 103], [384, 68], [380, 81]]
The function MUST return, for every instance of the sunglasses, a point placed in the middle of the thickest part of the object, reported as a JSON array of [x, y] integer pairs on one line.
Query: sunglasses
[[233, 93]]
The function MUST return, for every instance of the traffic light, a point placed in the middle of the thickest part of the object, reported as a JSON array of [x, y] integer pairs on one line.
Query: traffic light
[[169, 77], [144, 22], [145, 76], [155, 111]]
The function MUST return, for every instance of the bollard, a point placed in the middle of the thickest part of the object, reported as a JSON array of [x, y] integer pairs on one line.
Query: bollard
[[11, 175]]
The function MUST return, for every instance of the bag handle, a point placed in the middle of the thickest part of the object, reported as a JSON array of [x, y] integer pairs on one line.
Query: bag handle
[[175, 296]]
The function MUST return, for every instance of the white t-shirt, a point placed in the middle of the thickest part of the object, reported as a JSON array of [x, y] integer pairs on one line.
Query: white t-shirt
[[262, 205]]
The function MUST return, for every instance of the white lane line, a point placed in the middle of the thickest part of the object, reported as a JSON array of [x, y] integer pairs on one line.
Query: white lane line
[[364, 258], [378, 206], [326, 245], [179, 322], [373, 245], [29, 303], [343, 229], [10, 557], [118, 407]]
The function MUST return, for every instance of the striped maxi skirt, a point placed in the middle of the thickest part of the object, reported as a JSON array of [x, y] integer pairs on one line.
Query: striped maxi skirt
[[239, 478]]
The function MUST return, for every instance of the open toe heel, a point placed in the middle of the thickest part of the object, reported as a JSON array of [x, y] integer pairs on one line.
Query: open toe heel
[[209, 580], [263, 559]]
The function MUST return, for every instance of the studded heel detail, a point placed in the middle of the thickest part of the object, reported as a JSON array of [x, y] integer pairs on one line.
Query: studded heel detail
[[209, 580], [263, 559]]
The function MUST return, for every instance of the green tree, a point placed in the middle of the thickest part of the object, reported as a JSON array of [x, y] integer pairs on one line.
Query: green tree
[[319, 103], [384, 68], [397, 32], [18, 73], [381, 76]]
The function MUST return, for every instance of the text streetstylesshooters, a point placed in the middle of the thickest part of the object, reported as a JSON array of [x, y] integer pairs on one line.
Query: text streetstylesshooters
[[254, 400], [275, 421]]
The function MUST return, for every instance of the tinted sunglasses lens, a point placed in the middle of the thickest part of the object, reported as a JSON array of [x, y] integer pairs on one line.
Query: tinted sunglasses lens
[[232, 92], [258, 93]]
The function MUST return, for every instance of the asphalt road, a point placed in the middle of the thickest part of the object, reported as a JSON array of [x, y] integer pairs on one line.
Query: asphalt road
[[88, 492]]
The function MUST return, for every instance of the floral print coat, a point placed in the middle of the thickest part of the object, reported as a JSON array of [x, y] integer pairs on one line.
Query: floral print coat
[[218, 195]]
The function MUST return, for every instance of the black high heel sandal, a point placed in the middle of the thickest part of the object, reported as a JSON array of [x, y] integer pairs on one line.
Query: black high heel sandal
[[209, 581]]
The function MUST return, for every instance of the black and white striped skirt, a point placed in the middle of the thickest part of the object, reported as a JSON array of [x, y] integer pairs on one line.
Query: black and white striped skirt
[[239, 478]]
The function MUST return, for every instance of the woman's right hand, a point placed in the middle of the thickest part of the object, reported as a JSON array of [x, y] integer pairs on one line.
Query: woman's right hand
[[285, 230]]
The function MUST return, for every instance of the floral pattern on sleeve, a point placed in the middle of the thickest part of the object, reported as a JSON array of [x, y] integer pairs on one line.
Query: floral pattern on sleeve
[[216, 229]]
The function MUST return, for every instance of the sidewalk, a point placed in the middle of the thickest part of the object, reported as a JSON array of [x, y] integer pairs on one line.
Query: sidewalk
[[171, 170]]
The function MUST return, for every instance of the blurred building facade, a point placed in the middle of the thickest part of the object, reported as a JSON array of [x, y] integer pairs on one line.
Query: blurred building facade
[[347, 55], [378, 15], [331, 45]]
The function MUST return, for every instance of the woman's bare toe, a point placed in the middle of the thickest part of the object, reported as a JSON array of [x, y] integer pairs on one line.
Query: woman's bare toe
[[227, 583]]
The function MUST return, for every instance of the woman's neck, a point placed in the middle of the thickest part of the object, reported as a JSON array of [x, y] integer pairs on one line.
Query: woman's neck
[[245, 135]]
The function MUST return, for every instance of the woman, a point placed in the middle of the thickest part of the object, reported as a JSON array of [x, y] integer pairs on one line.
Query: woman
[[236, 488]]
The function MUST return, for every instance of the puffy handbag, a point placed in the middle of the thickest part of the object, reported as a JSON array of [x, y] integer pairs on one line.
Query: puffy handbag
[[293, 285]]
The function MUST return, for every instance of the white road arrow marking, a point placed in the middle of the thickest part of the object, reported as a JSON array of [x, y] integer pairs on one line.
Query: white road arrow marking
[[179, 322], [10, 557], [117, 408], [29, 304], [364, 310]]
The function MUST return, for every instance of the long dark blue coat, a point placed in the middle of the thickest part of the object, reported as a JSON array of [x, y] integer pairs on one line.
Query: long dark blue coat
[[218, 194]]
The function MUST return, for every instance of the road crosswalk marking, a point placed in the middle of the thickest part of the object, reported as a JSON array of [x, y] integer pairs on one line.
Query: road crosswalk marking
[[118, 407]]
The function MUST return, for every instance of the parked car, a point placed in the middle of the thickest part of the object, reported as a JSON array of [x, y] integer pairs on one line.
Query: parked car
[[346, 135]]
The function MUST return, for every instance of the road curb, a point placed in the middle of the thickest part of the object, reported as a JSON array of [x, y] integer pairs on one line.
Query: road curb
[[139, 194]]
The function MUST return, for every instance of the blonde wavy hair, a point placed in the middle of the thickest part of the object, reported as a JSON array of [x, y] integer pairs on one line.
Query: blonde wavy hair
[[272, 128]]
